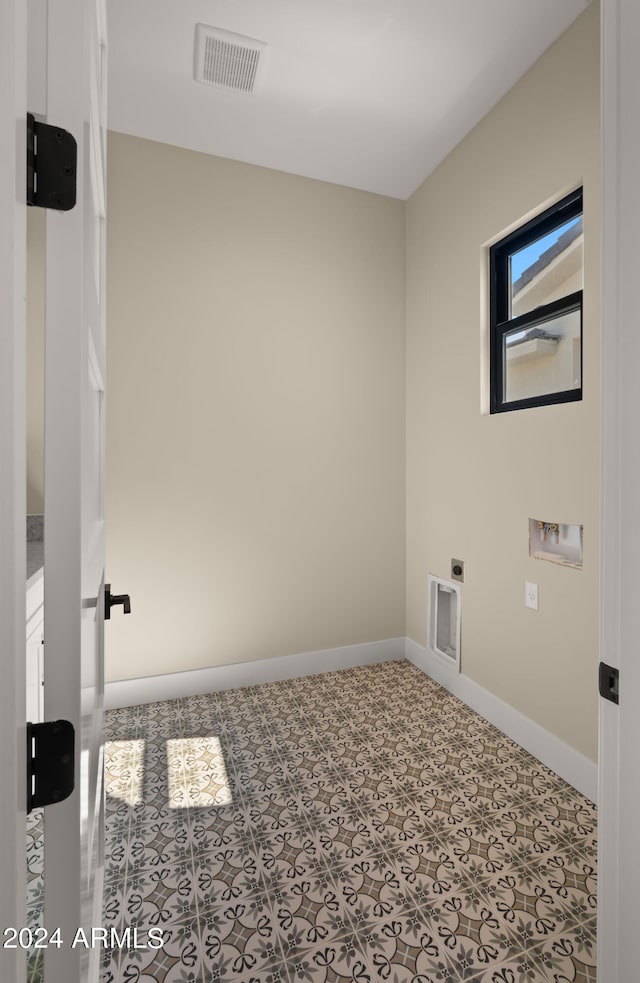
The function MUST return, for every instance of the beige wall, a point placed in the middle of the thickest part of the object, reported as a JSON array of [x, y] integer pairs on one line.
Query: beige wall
[[255, 476], [473, 480]]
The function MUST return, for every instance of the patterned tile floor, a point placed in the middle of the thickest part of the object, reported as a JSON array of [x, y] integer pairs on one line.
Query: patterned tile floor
[[35, 889], [361, 825]]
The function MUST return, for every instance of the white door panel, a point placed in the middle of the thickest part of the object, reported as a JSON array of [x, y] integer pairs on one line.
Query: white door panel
[[74, 485]]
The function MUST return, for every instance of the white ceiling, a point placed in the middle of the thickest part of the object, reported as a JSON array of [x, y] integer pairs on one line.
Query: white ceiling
[[371, 94]]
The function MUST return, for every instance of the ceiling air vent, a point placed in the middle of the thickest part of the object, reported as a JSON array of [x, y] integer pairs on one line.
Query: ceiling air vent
[[227, 60]]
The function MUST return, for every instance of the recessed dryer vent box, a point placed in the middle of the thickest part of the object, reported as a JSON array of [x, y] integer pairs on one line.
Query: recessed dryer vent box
[[443, 621], [556, 541]]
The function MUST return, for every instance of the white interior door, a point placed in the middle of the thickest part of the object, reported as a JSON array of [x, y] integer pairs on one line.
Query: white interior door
[[74, 485], [13, 55]]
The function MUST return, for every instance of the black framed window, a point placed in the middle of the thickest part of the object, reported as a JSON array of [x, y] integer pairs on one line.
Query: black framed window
[[536, 310]]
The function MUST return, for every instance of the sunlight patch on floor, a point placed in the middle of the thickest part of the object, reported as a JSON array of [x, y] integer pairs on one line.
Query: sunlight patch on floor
[[124, 771], [197, 773]]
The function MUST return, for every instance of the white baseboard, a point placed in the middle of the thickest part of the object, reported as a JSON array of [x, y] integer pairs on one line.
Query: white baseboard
[[574, 767], [149, 689]]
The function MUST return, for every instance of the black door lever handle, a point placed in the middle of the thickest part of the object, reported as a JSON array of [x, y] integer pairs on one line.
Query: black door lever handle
[[110, 601]]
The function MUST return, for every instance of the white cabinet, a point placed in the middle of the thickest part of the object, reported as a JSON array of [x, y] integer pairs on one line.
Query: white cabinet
[[35, 648]]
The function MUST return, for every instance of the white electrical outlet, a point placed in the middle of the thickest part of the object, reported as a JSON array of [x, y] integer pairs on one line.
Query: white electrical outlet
[[531, 595]]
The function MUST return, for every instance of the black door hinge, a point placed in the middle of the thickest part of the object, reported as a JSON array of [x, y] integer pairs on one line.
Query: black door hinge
[[50, 763], [52, 156], [608, 682]]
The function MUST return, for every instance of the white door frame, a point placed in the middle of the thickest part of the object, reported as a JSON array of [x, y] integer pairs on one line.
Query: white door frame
[[619, 754], [74, 539], [13, 105]]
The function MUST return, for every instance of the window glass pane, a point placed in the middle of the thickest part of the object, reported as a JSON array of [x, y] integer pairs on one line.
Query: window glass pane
[[542, 359], [547, 269]]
